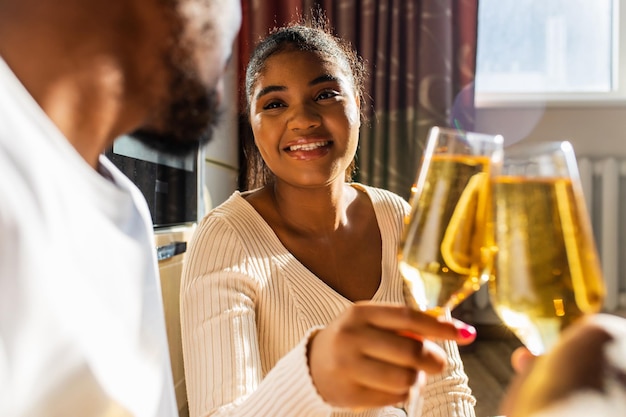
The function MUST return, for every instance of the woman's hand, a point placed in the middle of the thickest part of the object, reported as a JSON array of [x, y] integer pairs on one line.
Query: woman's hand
[[372, 354]]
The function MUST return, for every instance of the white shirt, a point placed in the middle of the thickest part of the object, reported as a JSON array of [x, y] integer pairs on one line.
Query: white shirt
[[82, 331]]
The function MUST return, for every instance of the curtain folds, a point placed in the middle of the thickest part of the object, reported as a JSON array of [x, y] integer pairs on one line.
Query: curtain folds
[[421, 59]]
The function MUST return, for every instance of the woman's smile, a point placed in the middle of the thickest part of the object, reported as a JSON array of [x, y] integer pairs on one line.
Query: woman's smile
[[308, 149]]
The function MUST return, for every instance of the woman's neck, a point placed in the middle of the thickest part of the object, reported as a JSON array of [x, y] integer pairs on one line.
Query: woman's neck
[[313, 210]]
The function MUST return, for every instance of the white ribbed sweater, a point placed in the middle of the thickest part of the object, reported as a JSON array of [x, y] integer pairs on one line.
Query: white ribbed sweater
[[248, 306]]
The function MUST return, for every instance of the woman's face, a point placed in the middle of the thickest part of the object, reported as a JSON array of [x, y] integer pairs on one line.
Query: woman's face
[[304, 114]]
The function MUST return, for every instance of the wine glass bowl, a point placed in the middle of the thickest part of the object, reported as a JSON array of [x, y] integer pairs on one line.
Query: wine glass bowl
[[442, 254], [546, 268]]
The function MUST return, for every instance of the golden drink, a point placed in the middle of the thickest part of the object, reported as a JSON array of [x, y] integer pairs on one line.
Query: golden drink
[[547, 272], [442, 255]]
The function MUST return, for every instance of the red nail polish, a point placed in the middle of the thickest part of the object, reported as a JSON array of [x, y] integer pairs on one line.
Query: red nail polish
[[467, 332]]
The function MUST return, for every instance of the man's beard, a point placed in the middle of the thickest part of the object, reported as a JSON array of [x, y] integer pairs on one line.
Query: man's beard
[[189, 118]]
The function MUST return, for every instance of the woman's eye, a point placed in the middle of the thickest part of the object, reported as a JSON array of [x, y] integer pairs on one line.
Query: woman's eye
[[327, 94], [272, 105]]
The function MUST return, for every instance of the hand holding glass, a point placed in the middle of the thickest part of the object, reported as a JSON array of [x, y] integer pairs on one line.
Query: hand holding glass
[[546, 271], [442, 256]]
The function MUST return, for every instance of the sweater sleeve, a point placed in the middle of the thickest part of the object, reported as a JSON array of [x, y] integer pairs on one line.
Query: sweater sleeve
[[219, 335], [448, 394]]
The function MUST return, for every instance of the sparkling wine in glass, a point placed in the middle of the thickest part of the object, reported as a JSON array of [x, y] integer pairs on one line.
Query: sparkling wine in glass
[[442, 255], [546, 269]]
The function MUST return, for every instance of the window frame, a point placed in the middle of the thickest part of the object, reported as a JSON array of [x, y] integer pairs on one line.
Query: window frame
[[616, 97]]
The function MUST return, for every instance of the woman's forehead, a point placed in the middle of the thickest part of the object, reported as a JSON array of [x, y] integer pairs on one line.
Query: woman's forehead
[[308, 62]]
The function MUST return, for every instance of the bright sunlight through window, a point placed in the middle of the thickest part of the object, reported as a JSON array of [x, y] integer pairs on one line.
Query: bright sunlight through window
[[550, 50]]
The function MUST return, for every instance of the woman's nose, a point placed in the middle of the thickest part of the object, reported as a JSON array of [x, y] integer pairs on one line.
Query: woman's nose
[[303, 116]]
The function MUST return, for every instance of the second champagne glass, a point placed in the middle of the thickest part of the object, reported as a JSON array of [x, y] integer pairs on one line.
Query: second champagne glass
[[546, 271], [442, 256]]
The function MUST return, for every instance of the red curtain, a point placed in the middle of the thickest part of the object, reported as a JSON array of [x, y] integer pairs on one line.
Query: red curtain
[[421, 59]]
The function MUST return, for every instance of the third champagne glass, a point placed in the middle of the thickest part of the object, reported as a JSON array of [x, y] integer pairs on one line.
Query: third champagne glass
[[547, 272], [442, 256]]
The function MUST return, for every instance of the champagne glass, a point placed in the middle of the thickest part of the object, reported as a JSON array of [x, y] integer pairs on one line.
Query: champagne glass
[[442, 254], [547, 272]]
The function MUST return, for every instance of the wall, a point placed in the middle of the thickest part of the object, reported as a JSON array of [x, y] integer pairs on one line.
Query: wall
[[221, 155], [594, 131]]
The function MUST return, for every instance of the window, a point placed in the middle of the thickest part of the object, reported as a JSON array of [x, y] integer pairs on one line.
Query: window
[[550, 51]]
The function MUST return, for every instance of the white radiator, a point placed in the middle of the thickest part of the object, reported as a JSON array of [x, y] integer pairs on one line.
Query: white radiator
[[604, 186]]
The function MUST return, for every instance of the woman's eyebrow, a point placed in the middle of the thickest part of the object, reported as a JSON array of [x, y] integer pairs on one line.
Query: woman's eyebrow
[[324, 78], [270, 89]]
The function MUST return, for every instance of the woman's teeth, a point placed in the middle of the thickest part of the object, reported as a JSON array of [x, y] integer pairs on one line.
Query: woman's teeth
[[307, 146]]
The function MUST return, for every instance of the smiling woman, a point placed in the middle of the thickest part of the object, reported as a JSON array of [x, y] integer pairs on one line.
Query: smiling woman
[[304, 108], [338, 57], [291, 294]]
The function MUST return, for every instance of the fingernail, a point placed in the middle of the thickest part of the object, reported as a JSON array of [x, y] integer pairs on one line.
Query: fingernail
[[467, 332]]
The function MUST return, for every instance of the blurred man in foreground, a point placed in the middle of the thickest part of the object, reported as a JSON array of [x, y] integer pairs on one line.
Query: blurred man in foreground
[[583, 375], [81, 321]]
